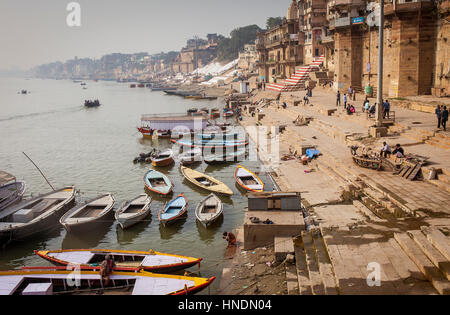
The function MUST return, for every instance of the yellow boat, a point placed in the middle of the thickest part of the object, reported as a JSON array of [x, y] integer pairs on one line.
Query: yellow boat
[[149, 261], [206, 182], [57, 280]]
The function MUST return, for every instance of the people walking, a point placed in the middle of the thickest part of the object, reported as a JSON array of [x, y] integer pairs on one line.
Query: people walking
[[444, 118], [345, 101], [338, 99], [438, 113]]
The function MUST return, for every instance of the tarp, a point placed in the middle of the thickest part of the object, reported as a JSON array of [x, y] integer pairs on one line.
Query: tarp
[[311, 153], [5, 178]]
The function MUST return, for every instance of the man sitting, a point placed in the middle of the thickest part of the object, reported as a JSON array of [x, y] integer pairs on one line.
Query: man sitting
[[398, 152], [386, 150]]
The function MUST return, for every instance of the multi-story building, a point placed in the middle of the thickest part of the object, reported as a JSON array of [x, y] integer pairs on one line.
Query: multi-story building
[[416, 50], [314, 26], [278, 48], [248, 58]]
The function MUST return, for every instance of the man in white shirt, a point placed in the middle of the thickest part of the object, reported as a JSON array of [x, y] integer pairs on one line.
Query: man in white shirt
[[386, 150]]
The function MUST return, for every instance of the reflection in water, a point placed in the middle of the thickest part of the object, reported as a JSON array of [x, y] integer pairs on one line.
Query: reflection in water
[[125, 237], [169, 231], [87, 239], [207, 234]]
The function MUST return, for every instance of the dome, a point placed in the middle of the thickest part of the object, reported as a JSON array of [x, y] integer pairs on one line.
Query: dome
[[292, 13]]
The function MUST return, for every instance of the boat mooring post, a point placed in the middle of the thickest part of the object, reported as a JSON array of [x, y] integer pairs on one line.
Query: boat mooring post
[[39, 171]]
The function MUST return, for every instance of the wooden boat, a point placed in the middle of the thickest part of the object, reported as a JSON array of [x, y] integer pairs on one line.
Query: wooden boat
[[134, 211], [228, 113], [191, 156], [218, 136], [164, 158], [206, 182], [147, 132], [92, 211], [34, 216], [90, 103], [173, 210], [247, 180], [366, 161], [158, 182], [225, 156], [210, 143], [11, 190], [163, 134], [144, 260], [88, 280], [209, 210]]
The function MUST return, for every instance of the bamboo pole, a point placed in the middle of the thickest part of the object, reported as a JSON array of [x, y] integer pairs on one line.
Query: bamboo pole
[[39, 170]]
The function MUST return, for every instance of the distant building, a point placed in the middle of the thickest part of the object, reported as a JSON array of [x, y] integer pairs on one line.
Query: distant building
[[196, 54], [248, 58]]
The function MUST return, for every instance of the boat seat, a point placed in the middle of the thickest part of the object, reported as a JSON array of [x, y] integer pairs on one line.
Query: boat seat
[[43, 205]]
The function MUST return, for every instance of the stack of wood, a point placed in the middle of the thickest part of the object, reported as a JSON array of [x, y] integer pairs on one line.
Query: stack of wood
[[411, 168], [410, 171]]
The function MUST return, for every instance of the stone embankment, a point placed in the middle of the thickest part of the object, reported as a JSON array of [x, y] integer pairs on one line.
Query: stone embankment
[[364, 223]]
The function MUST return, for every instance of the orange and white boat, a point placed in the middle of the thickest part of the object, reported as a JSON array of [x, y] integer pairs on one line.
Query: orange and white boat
[[151, 261], [247, 180], [164, 158]]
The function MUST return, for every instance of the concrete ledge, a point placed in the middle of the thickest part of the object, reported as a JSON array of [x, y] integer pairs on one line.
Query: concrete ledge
[[286, 223], [283, 247]]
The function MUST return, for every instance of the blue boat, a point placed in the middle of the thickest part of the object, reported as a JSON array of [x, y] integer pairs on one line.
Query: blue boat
[[211, 143], [173, 210], [158, 183]]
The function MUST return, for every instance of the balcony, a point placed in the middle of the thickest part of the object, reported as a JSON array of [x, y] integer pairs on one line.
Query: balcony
[[405, 6]]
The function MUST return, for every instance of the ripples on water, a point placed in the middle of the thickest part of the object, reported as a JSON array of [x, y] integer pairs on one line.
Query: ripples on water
[[94, 149]]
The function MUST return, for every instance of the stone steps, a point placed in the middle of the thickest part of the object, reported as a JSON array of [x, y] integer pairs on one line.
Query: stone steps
[[315, 273], [422, 254]]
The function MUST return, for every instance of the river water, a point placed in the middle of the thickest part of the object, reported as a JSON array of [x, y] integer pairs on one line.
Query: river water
[[94, 149]]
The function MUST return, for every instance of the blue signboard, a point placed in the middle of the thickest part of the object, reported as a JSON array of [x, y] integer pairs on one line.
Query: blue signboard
[[358, 20]]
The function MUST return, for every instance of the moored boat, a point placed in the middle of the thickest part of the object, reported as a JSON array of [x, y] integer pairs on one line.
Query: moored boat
[[164, 158], [151, 261], [225, 156], [158, 183], [134, 211], [93, 211], [210, 143], [11, 190], [209, 210], [191, 156], [173, 210], [90, 103], [247, 180], [228, 113], [60, 281], [163, 134], [35, 216], [206, 182]]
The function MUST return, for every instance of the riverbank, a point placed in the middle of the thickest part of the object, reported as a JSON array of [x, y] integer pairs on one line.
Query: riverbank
[[360, 216]]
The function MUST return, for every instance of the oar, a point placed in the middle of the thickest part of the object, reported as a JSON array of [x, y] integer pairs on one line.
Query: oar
[[39, 170]]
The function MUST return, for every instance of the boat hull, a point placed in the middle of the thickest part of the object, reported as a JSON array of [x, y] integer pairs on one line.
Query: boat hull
[[13, 194], [162, 163], [165, 191], [45, 225]]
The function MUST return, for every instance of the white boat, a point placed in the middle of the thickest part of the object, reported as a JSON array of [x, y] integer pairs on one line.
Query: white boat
[[134, 211], [191, 156], [35, 216], [11, 190], [96, 210], [209, 210], [54, 280]]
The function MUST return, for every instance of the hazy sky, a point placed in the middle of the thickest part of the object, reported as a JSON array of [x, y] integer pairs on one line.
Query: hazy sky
[[33, 32]]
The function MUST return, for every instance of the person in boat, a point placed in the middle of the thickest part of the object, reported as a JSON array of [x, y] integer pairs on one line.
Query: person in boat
[[230, 238], [106, 268], [398, 151], [386, 150]]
